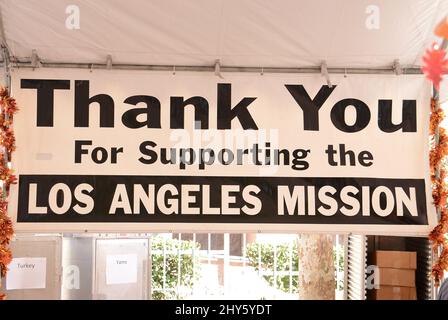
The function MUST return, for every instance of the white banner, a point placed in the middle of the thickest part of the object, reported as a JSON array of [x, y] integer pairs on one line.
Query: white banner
[[146, 151]]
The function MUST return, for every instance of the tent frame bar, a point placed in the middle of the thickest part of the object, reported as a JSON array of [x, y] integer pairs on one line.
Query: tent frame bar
[[223, 69]]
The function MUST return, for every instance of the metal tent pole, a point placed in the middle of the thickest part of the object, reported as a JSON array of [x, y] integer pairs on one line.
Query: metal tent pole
[[17, 63]]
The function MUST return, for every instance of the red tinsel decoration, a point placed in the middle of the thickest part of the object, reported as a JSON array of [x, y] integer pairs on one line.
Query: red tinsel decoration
[[438, 151], [6, 230], [8, 108], [5, 259], [435, 65], [8, 140]]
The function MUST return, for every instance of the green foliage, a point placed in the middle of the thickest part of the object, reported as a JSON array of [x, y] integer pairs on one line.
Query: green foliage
[[266, 251], [339, 264], [282, 253], [189, 267]]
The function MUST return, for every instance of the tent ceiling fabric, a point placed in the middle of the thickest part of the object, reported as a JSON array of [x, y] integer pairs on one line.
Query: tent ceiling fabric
[[250, 33]]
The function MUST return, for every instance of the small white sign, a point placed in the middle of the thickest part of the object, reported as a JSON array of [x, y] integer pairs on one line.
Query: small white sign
[[27, 273], [121, 268]]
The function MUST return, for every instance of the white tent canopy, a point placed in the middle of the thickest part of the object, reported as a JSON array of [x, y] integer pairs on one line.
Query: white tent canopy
[[243, 33]]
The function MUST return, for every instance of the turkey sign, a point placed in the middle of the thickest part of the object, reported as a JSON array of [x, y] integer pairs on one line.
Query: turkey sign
[[125, 151]]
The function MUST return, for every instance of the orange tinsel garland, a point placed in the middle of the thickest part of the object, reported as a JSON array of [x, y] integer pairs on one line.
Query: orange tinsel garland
[[8, 108], [6, 230], [439, 150]]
